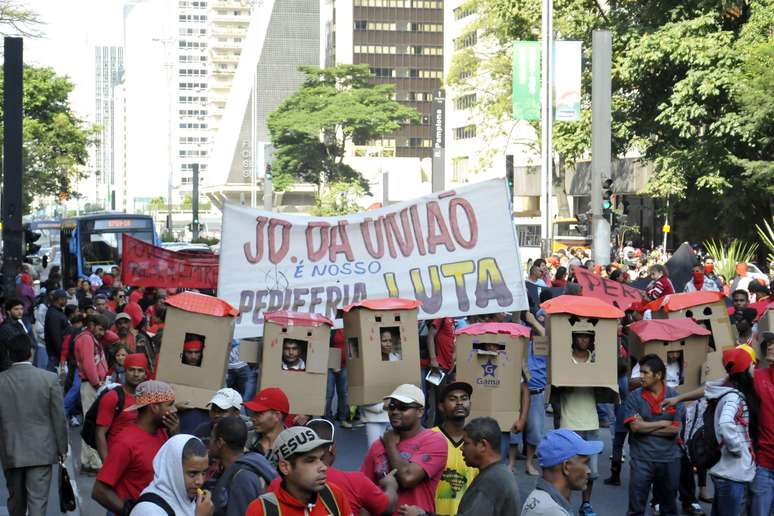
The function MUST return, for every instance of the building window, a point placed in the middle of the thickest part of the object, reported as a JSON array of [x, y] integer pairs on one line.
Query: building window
[[464, 11], [383, 72], [529, 235], [361, 25], [416, 4], [465, 133], [468, 40], [465, 102], [419, 142], [459, 168]]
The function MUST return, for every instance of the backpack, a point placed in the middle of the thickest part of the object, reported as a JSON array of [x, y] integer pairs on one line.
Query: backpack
[[150, 498], [271, 506], [702, 446], [89, 428]]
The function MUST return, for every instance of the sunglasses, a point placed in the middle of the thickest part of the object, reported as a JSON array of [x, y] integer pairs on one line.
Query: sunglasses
[[402, 407]]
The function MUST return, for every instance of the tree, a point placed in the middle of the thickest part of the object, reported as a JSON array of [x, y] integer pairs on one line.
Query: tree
[[332, 108], [157, 204], [339, 199], [681, 72], [56, 142], [18, 20]]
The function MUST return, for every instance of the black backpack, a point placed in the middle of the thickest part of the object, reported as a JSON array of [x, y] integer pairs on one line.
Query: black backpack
[[150, 498], [89, 428], [703, 447], [424, 353]]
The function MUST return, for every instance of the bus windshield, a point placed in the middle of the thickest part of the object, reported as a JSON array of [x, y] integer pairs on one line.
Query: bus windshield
[[104, 247]]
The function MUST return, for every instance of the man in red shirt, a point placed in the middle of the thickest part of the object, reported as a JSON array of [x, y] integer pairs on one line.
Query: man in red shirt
[[440, 338], [359, 490], [762, 487], [304, 491], [418, 455], [110, 423], [128, 466], [92, 368]]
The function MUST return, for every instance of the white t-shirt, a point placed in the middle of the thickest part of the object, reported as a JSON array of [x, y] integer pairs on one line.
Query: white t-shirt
[[298, 366]]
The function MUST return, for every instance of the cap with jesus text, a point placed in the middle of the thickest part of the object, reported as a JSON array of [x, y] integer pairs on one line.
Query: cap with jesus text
[[294, 440], [407, 393], [561, 445], [270, 398]]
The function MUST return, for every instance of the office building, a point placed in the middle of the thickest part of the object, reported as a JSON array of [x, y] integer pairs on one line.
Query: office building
[[108, 72]]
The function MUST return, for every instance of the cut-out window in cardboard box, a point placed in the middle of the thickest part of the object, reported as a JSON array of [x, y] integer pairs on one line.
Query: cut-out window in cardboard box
[[490, 357], [681, 343], [195, 320], [590, 361], [706, 308], [373, 372], [296, 357]]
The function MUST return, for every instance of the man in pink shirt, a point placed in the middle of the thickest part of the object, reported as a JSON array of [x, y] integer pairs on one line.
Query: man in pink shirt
[[92, 368], [418, 455]]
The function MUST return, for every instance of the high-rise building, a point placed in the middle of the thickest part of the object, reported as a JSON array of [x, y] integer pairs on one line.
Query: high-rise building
[[192, 94], [402, 42], [228, 21], [108, 72]]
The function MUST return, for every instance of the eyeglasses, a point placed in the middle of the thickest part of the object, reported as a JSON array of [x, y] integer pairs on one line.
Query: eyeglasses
[[402, 407], [320, 420]]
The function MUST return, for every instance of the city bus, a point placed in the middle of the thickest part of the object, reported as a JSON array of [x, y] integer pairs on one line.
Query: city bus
[[94, 241]]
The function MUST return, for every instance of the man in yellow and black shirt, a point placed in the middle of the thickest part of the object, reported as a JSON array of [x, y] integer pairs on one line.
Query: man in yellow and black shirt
[[454, 406]]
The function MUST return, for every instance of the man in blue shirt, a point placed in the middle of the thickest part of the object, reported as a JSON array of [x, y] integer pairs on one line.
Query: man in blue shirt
[[653, 432]]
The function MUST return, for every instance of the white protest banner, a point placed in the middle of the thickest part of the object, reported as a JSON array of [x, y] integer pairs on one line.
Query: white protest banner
[[456, 252]]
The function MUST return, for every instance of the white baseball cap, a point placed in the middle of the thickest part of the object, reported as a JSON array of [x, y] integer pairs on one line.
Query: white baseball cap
[[407, 393], [226, 398]]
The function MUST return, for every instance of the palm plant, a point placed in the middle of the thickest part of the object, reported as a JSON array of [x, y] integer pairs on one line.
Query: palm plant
[[726, 257], [766, 234]]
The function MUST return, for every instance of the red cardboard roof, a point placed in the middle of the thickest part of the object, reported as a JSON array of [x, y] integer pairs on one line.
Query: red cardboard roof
[[202, 304], [387, 303], [677, 302], [512, 329], [667, 329], [581, 306], [286, 318]]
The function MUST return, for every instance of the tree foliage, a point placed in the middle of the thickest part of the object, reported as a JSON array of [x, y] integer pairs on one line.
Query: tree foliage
[[339, 199], [692, 94], [332, 108], [56, 142], [16, 19]]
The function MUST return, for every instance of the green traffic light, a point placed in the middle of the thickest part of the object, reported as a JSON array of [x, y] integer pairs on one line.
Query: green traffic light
[[606, 205]]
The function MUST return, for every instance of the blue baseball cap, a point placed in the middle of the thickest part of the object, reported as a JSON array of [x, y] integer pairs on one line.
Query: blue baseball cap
[[560, 445]]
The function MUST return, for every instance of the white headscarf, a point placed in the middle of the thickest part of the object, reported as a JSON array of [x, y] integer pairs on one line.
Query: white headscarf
[[168, 481]]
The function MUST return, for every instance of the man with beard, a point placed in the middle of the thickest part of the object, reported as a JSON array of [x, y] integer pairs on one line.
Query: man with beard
[[111, 416], [454, 407], [418, 455]]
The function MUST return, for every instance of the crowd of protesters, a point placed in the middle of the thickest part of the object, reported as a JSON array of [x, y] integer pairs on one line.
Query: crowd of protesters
[[248, 453]]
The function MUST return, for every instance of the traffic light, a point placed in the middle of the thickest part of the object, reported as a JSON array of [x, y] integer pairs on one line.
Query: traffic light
[[607, 197], [30, 247]]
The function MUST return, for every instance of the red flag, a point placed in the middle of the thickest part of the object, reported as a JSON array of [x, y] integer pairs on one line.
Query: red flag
[[145, 265]]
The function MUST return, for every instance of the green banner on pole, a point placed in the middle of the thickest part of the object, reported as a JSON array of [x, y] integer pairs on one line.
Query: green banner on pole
[[526, 80]]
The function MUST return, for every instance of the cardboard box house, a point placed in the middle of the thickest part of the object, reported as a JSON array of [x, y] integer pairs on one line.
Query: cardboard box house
[[573, 320], [680, 343], [382, 346], [706, 308], [490, 357], [195, 346], [766, 322], [713, 369], [295, 358]]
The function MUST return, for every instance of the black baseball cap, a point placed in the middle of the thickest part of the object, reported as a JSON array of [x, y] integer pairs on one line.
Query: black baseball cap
[[455, 386]]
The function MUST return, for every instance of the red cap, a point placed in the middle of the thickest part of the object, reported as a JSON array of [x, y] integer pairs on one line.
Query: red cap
[[736, 360], [270, 398], [107, 280], [193, 345], [136, 360]]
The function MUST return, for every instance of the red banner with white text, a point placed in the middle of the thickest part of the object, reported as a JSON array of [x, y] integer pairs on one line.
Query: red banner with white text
[[145, 265]]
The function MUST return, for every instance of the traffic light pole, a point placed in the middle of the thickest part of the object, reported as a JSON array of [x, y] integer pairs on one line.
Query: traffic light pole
[[601, 65], [195, 203], [13, 68]]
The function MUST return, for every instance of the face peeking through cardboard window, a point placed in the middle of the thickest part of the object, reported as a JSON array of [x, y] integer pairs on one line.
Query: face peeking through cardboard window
[[583, 332]]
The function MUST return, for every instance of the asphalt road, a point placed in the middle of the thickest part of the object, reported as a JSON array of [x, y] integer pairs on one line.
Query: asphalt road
[[351, 448]]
